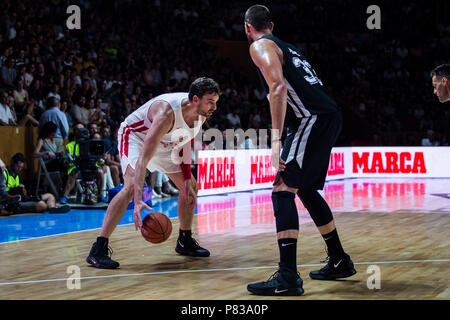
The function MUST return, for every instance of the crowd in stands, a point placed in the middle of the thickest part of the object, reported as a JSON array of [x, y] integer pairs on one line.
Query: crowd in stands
[[127, 52]]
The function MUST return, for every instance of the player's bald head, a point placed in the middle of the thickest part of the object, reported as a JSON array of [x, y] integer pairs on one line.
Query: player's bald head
[[259, 17]]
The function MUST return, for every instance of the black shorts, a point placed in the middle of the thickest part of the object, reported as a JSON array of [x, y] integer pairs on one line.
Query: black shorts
[[307, 150]]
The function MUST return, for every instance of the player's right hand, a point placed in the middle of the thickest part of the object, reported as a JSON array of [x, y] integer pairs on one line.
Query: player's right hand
[[138, 206], [278, 163]]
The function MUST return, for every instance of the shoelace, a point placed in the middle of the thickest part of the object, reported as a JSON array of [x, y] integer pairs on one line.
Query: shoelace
[[275, 275], [110, 251], [327, 259]]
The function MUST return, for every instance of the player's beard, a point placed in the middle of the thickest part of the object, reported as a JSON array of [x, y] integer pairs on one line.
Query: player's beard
[[207, 114], [250, 40]]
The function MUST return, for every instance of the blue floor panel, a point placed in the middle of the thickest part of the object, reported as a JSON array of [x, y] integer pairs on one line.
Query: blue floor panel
[[22, 227]]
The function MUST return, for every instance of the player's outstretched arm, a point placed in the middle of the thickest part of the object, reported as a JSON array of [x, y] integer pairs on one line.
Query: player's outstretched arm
[[162, 121]]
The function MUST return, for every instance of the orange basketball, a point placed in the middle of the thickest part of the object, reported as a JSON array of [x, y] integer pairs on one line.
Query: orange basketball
[[156, 227]]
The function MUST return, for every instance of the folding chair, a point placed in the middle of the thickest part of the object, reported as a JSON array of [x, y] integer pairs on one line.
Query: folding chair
[[44, 172]]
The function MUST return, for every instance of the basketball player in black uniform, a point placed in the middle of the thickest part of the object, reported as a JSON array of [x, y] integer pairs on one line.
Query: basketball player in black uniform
[[299, 102]]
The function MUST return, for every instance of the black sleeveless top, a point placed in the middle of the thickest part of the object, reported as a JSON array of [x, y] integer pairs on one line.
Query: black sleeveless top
[[306, 95]]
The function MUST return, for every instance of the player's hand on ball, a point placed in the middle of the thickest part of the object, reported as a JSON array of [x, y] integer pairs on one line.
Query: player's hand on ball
[[138, 206]]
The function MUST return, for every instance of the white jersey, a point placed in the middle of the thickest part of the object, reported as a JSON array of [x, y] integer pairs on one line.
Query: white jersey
[[133, 130]]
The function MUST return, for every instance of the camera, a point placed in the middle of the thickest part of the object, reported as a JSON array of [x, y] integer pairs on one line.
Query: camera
[[91, 154]]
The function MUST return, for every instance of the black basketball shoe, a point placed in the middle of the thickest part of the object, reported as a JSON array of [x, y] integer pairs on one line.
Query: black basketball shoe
[[99, 256], [281, 283], [335, 269], [188, 246]]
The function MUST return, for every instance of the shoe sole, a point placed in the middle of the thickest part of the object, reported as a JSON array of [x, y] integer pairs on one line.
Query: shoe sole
[[282, 293], [94, 263], [192, 254], [334, 277]]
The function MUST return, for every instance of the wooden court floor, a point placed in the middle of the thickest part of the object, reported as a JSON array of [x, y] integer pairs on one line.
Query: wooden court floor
[[411, 250]]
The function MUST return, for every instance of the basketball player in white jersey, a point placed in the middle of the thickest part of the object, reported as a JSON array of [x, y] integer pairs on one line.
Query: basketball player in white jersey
[[157, 136]]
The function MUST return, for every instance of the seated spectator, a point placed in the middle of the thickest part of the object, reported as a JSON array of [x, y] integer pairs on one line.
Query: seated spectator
[[233, 119], [21, 96], [95, 114], [8, 74], [46, 148], [6, 115], [163, 188], [25, 118], [430, 139], [108, 172], [54, 92], [79, 113], [4, 196], [112, 158], [32, 204]]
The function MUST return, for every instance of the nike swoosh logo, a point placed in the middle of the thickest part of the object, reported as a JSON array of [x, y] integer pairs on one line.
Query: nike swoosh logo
[[180, 244], [286, 244], [280, 291], [337, 264]]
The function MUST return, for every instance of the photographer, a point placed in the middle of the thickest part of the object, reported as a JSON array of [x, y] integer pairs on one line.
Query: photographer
[[6, 201], [81, 162], [46, 148], [35, 204]]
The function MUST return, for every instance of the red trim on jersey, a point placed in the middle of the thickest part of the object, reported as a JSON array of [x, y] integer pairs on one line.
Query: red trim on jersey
[[135, 127]]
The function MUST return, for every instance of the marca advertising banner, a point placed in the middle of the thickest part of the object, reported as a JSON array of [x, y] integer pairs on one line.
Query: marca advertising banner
[[222, 171]]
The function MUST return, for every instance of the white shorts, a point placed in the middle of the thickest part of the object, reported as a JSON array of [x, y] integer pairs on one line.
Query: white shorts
[[130, 148]]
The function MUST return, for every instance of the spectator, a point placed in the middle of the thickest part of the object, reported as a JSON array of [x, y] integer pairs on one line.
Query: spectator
[[41, 203], [58, 117], [79, 113], [20, 95], [4, 196], [9, 74], [6, 115], [54, 92], [430, 139], [233, 118], [112, 158]]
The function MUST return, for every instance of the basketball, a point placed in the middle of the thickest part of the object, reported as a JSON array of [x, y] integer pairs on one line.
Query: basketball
[[156, 227]]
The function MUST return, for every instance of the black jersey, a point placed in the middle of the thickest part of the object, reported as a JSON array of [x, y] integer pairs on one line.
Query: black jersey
[[306, 95]]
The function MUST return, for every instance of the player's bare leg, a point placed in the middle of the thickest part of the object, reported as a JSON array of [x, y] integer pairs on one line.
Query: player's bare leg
[[118, 205], [186, 245], [99, 254]]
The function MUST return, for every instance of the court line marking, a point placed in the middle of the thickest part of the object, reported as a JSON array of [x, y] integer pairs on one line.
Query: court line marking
[[206, 270]]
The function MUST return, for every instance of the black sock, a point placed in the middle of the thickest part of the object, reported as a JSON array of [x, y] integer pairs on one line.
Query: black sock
[[288, 253], [102, 241], [184, 234], [335, 250]]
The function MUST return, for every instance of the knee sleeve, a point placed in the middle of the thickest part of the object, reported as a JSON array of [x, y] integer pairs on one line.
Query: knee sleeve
[[285, 211], [317, 207]]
